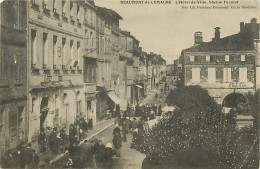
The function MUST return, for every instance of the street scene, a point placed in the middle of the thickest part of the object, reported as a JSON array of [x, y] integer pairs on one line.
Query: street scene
[[87, 84]]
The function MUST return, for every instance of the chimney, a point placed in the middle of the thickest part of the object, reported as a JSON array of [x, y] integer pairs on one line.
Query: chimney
[[254, 28], [217, 33], [242, 24], [198, 39]]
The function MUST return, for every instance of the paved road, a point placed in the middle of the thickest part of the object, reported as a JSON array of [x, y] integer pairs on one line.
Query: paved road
[[130, 158]]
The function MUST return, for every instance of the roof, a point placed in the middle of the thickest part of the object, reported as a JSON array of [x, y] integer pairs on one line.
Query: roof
[[240, 41], [128, 34], [244, 40], [109, 11]]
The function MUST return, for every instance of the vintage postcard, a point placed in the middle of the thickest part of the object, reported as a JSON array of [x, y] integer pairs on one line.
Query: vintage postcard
[[129, 84]]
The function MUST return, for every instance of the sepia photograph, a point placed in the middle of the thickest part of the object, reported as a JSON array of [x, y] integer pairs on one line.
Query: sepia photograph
[[129, 84]]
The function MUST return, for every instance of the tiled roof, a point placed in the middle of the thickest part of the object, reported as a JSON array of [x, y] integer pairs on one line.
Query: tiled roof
[[239, 41]]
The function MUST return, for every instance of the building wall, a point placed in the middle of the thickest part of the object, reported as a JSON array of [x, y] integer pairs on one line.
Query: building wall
[[13, 74], [56, 55], [220, 71]]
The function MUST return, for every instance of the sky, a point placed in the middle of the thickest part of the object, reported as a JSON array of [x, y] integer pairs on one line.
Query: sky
[[168, 29]]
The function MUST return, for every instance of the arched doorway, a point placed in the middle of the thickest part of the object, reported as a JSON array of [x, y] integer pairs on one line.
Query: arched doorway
[[233, 100], [44, 109]]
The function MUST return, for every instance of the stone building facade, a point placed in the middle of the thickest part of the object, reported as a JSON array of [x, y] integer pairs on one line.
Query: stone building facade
[[13, 75], [224, 65]]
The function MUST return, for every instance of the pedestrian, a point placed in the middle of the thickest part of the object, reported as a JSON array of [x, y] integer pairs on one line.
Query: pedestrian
[[108, 116], [124, 129], [160, 110], [42, 141], [137, 110], [27, 155], [74, 152], [156, 95], [17, 159], [135, 138], [85, 154], [107, 156], [53, 141], [72, 134], [155, 109], [7, 161], [131, 111], [90, 120], [35, 159], [134, 124], [152, 115], [64, 140], [117, 140], [117, 112]]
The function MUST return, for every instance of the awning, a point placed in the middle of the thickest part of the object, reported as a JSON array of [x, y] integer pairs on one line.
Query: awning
[[139, 86], [114, 97]]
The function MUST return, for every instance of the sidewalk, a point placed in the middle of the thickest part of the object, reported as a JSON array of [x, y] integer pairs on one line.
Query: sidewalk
[[47, 158]]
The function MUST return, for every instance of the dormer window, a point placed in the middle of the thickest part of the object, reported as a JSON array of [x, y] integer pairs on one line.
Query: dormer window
[[243, 58], [226, 58], [191, 58]]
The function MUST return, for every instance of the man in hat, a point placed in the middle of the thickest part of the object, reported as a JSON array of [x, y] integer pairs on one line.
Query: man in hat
[[42, 141], [117, 140], [107, 155], [53, 141], [85, 153], [134, 124]]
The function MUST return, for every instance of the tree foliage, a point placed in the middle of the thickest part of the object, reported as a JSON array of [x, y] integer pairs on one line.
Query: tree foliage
[[195, 134]]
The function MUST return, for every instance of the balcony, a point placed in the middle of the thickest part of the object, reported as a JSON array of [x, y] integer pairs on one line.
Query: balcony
[[87, 24]]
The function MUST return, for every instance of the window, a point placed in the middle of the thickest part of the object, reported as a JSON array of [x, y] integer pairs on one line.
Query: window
[[85, 15], [91, 38], [56, 100], [88, 104], [243, 58], [63, 7], [33, 104], [63, 51], [55, 5], [71, 49], [90, 70], [226, 58], [17, 61], [45, 50], [211, 58], [211, 74], [195, 74], [78, 51], [13, 121], [243, 74], [227, 75], [207, 58], [196, 58], [54, 51], [78, 9], [33, 47], [91, 17], [78, 103], [191, 58]]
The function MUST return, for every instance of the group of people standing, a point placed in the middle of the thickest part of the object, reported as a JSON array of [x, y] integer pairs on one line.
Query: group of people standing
[[24, 156]]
